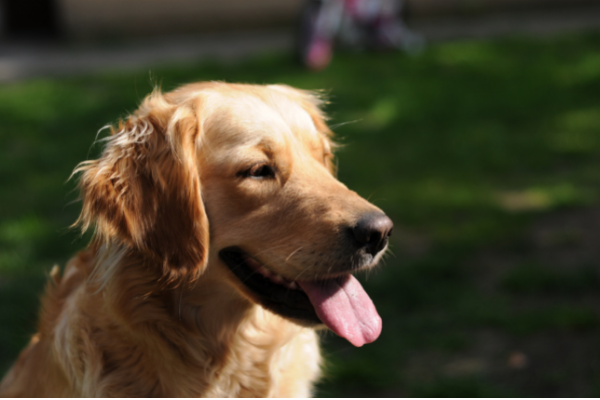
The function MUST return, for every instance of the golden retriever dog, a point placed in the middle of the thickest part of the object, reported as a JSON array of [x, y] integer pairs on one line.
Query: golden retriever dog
[[222, 240]]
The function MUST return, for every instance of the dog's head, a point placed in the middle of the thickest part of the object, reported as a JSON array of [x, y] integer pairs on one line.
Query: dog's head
[[241, 176]]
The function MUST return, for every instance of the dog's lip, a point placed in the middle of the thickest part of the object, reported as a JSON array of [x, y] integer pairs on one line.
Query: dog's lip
[[284, 281], [278, 279], [277, 297], [260, 268]]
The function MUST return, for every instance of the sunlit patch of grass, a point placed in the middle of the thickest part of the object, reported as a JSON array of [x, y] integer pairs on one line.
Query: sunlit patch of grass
[[585, 69], [577, 132], [544, 198], [381, 114], [23, 229]]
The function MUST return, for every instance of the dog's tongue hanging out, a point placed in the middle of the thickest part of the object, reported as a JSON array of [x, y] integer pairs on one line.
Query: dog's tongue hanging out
[[344, 306]]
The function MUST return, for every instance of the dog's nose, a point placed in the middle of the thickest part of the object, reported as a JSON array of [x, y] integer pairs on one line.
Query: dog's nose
[[372, 232]]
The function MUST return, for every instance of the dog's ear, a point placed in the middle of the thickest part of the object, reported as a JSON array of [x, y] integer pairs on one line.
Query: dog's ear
[[144, 190]]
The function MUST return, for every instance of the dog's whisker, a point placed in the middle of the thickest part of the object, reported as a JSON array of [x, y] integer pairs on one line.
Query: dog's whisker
[[292, 253], [340, 124]]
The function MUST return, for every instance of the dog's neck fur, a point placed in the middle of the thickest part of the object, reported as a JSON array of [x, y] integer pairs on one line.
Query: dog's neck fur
[[200, 339]]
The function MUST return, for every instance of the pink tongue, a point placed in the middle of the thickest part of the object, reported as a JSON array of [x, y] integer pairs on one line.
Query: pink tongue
[[344, 306]]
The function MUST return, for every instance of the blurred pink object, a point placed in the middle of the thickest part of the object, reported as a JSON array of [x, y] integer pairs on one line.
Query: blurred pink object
[[358, 24]]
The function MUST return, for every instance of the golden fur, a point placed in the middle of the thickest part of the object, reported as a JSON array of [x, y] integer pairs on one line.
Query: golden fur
[[149, 309]]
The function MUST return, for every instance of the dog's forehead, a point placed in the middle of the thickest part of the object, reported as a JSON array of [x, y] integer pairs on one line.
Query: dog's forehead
[[246, 120]]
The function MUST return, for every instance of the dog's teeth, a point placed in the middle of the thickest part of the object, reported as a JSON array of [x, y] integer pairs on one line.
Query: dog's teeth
[[293, 285], [277, 278], [264, 271]]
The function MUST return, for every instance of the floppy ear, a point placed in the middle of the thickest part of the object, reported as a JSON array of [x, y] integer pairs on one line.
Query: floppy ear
[[144, 191]]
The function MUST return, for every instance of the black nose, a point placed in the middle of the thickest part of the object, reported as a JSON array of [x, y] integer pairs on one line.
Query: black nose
[[372, 232]]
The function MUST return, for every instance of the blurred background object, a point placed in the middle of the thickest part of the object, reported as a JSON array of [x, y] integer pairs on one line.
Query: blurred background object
[[66, 36], [355, 24], [87, 19], [37, 19], [484, 148], [79, 19]]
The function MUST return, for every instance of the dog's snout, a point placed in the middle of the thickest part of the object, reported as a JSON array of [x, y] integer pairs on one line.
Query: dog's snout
[[372, 232]]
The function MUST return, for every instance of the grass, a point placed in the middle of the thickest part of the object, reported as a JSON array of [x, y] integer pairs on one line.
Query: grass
[[466, 146]]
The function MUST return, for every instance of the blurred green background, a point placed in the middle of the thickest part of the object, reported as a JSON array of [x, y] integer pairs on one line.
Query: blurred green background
[[486, 155]]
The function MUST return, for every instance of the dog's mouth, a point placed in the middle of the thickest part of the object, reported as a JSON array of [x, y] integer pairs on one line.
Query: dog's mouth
[[339, 302]]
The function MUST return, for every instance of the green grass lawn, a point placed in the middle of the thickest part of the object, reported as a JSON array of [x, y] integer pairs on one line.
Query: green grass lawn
[[485, 154]]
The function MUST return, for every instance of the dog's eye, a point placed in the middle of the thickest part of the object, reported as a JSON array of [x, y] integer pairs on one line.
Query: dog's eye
[[260, 171]]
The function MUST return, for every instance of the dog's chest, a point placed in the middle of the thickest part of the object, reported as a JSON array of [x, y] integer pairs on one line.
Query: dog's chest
[[275, 360]]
